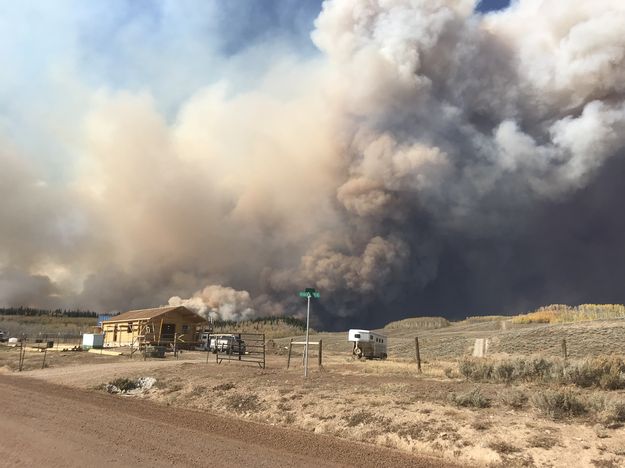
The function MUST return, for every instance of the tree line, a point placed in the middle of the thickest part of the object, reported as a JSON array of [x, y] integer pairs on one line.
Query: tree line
[[31, 312], [290, 321]]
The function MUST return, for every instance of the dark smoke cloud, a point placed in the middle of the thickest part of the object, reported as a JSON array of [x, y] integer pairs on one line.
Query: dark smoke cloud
[[431, 160]]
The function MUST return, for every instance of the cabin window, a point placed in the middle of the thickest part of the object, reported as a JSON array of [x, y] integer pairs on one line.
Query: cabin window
[[357, 335], [370, 337], [185, 328]]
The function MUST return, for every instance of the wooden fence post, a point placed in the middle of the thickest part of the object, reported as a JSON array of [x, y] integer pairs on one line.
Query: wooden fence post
[[19, 361], [564, 352], [45, 352], [416, 343], [288, 359], [320, 352]]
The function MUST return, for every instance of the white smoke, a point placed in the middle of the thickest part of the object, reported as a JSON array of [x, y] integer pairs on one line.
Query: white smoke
[[218, 302]]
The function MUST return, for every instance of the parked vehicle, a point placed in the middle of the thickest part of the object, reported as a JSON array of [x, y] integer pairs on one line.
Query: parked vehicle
[[203, 341], [229, 344], [2, 337], [367, 344]]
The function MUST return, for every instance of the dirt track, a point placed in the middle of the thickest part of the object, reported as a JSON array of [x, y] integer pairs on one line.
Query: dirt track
[[51, 425]]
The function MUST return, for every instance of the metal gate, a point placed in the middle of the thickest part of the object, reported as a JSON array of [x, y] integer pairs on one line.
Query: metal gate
[[250, 347]]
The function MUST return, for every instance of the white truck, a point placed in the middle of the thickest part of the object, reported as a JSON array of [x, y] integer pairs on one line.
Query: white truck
[[229, 344], [368, 344], [224, 343]]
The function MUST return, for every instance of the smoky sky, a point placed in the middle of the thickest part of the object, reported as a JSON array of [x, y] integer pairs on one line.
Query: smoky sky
[[404, 157]]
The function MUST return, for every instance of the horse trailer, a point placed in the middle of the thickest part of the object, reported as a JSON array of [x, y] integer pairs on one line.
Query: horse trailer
[[368, 344]]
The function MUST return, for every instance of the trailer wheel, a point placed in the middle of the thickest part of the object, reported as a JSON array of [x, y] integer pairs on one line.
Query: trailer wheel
[[358, 352], [384, 356]]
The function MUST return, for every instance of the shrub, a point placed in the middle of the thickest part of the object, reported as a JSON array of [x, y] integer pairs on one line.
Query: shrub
[[504, 372], [513, 398], [558, 403], [473, 399], [475, 369], [612, 411], [123, 384], [605, 372], [361, 417], [542, 441], [224, 386], [502, 447], [243, 403]]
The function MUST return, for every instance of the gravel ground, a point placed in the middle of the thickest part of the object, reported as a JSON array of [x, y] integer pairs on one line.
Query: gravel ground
[[52, 425]]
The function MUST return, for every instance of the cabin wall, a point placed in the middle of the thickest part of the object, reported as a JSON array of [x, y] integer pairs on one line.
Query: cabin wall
[[123, 333]]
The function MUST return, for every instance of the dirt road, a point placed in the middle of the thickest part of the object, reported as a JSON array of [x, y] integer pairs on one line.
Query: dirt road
[[51, 425]]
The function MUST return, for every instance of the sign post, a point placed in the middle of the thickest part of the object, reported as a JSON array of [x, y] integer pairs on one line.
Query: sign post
[[308, 293]]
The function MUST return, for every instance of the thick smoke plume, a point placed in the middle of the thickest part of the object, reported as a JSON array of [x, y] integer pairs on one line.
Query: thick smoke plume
[[218, 302], [430, 159]]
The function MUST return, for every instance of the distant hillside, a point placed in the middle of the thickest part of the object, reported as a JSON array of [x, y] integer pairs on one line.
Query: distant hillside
[[272, 327], [418, 323], [561, 313]]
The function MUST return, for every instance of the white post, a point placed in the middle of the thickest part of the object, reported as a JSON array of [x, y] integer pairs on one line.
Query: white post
[[306, 345]]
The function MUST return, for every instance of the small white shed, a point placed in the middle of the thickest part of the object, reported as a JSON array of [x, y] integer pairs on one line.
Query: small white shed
[[92, 340]]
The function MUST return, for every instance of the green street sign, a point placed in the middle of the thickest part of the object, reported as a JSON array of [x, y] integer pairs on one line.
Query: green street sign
[[307, 294]]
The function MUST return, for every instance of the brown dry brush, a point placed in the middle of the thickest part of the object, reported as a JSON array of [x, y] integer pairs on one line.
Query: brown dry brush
[[607, 372], [472, 399]]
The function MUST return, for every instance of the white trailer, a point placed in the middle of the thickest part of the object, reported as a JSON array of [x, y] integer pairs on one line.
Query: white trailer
[[368, 344]]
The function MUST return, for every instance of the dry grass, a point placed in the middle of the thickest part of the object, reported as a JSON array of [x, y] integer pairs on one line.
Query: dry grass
[[543, 441], [419, 323], [224, 387], [559, 313]]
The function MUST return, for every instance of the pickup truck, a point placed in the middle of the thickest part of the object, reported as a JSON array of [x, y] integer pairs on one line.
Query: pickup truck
[[230, 344]]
